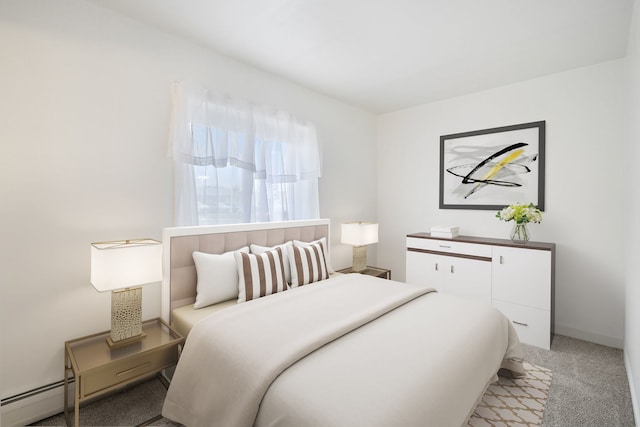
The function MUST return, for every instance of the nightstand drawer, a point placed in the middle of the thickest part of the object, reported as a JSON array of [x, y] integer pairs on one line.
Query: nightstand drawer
[[449, 247], [120, 371], [533, 325]]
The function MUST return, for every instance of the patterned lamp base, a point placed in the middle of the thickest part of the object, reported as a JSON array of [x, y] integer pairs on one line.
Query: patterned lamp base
[[126, 317], [359, 258]]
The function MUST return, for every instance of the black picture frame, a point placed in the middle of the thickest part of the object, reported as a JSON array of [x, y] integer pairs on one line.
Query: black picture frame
[[489, 169]]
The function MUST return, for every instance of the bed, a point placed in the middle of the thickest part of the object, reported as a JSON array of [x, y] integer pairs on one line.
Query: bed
[[328, 350]]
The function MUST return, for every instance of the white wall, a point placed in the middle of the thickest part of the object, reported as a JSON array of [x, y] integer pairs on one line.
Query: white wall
[[632, 207], [84, 117], [583, 109]]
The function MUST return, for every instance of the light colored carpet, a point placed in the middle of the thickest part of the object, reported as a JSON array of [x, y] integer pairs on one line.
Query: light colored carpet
[[132, 406], [589, 386]]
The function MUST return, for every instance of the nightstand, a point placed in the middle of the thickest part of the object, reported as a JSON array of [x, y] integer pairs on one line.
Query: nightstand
[[370, 271], [98, 370]]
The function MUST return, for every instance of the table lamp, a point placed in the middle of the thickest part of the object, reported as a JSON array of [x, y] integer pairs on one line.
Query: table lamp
[[359, 235], [122, 267]]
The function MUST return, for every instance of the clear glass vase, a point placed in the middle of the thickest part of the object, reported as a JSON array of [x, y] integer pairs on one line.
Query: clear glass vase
[[520, 233]]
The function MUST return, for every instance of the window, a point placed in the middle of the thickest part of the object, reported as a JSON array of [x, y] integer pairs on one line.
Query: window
[[238, 162]]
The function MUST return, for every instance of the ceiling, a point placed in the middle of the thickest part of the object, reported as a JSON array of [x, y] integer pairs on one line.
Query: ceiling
[[386, 55]]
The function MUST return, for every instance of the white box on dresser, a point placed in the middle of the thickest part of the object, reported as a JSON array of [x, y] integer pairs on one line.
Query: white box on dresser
[[518, 279]]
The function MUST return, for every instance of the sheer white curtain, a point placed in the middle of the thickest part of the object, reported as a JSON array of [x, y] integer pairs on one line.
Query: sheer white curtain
[[239, 162]]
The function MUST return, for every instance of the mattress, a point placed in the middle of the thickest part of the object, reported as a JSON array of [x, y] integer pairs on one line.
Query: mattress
[[183, 318]]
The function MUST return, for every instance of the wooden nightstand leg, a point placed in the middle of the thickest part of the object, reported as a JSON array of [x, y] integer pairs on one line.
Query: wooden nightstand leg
[[66, 389], [76, 394], [76, 413]]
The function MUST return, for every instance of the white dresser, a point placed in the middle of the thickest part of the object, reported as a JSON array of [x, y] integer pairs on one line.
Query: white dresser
[[518, 279]]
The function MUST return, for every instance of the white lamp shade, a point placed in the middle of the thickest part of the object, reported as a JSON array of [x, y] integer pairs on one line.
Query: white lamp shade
[[126, 263], [359, 233]]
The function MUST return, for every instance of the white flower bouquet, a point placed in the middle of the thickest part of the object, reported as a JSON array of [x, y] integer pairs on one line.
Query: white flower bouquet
[[520, 213]]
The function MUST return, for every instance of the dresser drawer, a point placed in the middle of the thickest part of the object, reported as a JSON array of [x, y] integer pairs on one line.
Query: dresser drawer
[[533, 325], [451, 247], [120, 371]]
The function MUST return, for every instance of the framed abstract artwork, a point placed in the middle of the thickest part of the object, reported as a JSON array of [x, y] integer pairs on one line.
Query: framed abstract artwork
[[492, 168]]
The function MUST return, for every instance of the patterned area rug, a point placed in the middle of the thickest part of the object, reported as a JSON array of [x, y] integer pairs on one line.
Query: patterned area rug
[[514, 402]]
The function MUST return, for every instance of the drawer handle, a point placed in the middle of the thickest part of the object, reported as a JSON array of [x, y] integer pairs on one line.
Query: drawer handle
[[436, 266], [501, 259], [452, 269], [445, 246], [520, 323], [128, 371]]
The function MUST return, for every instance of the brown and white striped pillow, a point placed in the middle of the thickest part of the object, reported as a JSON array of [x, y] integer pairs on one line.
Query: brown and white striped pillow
[[260, 274], [323, 243], [308, 264]]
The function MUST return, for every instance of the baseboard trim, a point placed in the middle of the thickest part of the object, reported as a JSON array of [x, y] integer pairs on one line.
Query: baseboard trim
[[615, 342], [26, 408], [632, 387], [46, 401]]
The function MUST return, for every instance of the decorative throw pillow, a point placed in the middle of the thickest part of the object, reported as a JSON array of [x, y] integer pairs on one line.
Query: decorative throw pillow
[[308, 264], [217, 277], [323, 242], [256, 249], [260, 274]]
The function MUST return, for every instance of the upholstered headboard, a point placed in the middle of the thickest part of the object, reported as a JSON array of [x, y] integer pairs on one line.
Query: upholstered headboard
[[179, 271]]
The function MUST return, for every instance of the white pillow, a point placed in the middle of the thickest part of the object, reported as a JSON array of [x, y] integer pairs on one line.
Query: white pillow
[[260, 274], [217, 277], [323, 242], [256, 249]]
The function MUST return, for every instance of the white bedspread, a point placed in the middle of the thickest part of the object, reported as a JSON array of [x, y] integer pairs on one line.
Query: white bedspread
[[405, 357]]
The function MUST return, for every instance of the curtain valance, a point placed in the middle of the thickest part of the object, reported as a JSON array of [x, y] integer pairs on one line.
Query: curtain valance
[[210, 128]]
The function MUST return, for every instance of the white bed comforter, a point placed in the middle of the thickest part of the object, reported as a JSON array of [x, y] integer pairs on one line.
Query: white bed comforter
[[351, 351]]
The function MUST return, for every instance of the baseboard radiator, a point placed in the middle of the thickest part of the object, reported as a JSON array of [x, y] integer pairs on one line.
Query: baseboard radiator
[[34, 405]]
